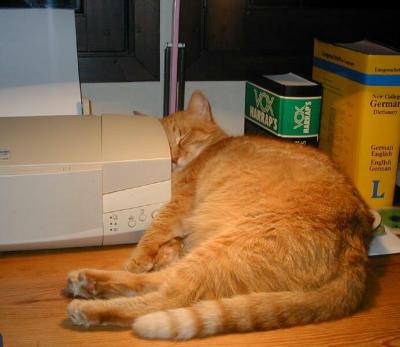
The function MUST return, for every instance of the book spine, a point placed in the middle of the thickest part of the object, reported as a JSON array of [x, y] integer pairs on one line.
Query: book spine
[[300, 117], [379, 145]]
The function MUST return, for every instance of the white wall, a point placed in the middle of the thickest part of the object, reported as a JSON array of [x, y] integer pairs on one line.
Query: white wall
[[146, 97], [226, 98]]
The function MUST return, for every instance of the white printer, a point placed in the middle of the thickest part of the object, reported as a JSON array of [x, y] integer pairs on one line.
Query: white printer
[[69, 181]]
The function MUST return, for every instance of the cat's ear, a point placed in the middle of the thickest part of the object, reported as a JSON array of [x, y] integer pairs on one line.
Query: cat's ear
[[200, 106]]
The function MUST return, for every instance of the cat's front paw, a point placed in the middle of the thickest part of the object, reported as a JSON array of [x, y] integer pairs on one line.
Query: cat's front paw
[[87, 313], [141, 260], [76, 313], [80, 285], [139, 264]]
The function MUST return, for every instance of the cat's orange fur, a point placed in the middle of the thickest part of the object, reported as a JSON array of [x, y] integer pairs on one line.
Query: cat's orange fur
[[259, 234]]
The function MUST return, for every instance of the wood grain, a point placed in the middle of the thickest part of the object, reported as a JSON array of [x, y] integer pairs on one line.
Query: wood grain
[[33, 312]]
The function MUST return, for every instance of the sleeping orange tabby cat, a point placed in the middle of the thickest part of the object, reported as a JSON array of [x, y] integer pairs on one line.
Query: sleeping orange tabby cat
[[259, 234]]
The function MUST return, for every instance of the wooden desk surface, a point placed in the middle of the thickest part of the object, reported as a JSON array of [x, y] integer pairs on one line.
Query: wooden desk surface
[[33, 313]]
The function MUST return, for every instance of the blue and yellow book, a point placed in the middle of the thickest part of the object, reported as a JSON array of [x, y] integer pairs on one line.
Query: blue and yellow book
[[360, 119]]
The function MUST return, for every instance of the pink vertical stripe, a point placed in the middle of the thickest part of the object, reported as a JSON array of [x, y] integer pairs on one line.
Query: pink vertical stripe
[[174, 57]]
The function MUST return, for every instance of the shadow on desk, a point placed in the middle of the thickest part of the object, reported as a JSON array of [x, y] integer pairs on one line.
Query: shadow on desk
[[379, 268]]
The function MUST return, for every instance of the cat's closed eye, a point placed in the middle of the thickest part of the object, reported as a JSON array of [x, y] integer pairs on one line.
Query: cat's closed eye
[[184, 138]]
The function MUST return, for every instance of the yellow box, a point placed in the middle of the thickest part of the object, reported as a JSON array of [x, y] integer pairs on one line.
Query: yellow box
[[360, 120]]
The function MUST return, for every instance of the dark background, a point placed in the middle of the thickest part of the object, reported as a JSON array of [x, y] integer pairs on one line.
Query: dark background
[[118, 40]]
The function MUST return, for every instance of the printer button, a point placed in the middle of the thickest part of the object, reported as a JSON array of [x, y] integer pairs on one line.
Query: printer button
[[142, 215], [131, 222]]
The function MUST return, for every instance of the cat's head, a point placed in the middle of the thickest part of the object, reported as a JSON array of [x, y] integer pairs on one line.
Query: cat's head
[[190, 131]]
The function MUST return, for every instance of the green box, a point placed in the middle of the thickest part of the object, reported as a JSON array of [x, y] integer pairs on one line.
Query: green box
[[285, 106]]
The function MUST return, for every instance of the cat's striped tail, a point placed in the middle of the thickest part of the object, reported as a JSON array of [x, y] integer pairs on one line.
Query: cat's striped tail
[[256, 311]]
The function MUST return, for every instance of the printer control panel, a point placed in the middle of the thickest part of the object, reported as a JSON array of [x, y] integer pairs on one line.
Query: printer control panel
[[128, 226]]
